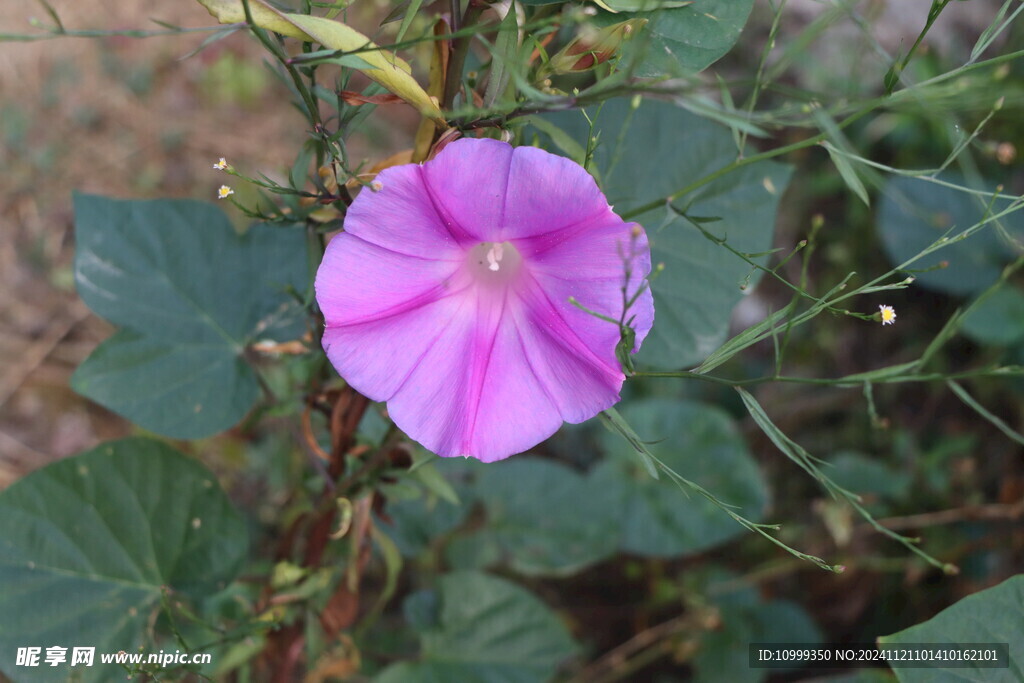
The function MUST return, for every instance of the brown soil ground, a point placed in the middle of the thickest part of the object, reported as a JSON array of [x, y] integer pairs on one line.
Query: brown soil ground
[[119, 116]]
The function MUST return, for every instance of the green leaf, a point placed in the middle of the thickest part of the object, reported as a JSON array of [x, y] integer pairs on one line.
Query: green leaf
[[839, 149], [699, 442], [88, 543], [989, 616], [848, 174], [999, 319], [503, 58], [683, 39], [542, 518], [190, 295], [392, 557], [669, 149], [413, 524], [724, 651], [915, 213], [746, 618], [480, 629], [153, 383], [436, 484], [410, 14], [566, 143], [424, 470], [868, 476]]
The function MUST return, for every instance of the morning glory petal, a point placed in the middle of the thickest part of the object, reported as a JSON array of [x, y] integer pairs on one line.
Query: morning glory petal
[[450, 297]]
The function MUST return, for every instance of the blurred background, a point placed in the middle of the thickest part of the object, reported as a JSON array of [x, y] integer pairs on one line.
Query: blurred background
[[118, 116]]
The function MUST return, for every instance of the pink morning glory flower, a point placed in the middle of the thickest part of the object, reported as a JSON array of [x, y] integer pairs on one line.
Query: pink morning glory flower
[[448, 297]]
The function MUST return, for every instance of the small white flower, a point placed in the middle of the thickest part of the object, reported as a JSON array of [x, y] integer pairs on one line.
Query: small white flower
[[224, 192], [888, 314], [221, 164]]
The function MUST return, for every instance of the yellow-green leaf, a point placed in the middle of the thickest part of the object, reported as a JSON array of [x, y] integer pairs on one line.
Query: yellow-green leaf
[[384, 67]]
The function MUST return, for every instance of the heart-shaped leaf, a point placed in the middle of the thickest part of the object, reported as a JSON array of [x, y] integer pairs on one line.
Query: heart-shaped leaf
[[88, 543], [914, 213], [191, 295], [990, 616], [681, 39], [482, 629]]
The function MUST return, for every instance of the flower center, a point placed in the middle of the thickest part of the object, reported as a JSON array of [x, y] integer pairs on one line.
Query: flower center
[[494, 262]]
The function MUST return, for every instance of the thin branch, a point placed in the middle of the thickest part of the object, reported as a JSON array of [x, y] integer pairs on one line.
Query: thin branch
[[992, 512]]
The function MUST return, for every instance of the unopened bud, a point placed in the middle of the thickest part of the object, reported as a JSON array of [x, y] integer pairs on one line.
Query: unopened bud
[[593, 47]]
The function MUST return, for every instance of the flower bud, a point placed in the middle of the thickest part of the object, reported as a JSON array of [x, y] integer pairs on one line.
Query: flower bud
[[593, 46]]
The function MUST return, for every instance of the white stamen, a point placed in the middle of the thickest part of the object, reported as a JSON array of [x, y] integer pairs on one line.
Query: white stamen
[[494, 257]]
